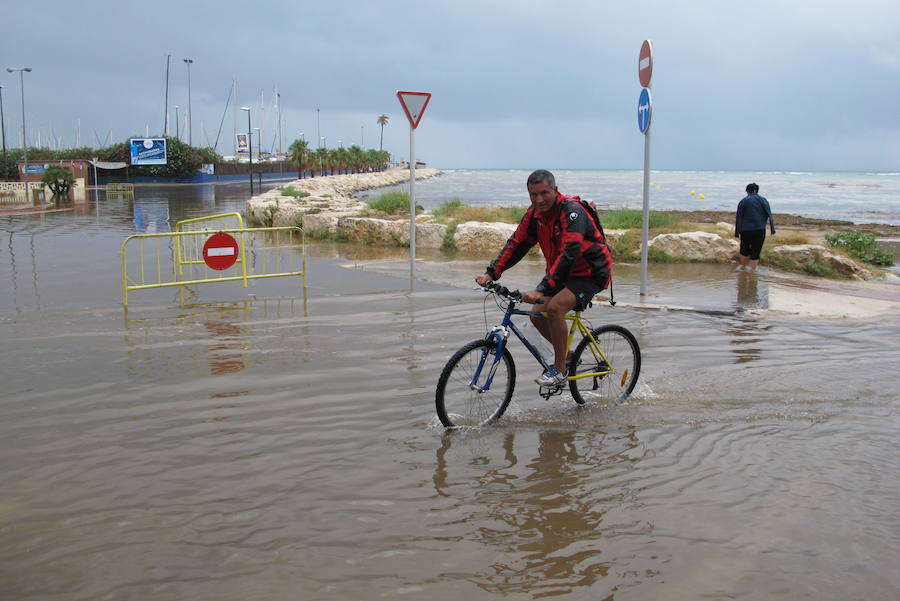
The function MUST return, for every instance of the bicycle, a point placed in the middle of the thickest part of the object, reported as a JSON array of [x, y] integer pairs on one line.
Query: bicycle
[[477, 383]]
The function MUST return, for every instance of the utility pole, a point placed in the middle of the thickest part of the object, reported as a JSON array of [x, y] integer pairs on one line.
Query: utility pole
[[188, 62], [166, 114]]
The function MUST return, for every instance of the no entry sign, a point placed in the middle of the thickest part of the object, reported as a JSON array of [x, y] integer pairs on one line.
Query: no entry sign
[[645, 64], [220, 251]]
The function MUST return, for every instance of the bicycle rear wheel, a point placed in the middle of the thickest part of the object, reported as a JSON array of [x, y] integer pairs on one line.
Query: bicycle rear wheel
[[459, 399], [605, 371]]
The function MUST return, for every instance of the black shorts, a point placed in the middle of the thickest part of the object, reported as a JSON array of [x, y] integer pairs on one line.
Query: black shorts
[[752, 243], [585, 289]]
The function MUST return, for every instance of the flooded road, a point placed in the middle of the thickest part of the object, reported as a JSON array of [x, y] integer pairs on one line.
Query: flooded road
[[260, 449]]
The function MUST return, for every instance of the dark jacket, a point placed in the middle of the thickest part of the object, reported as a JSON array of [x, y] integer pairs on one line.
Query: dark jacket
[[752, 213], [570, 240]]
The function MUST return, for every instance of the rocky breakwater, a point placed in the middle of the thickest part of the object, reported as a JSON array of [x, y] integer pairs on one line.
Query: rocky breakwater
[[326, 207]]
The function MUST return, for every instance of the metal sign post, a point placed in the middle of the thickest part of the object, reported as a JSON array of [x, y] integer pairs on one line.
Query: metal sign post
[[645, 109], [413, 104]]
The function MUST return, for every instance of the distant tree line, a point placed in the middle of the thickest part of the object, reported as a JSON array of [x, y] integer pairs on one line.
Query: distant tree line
[[184, 160], [324, 161]]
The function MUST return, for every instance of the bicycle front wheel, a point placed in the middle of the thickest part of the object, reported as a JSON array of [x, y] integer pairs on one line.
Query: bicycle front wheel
[[461, 399], [606, 368]]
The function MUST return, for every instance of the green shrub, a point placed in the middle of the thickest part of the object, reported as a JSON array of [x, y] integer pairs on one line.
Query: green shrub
[[391, 202], [448, 243], [860, 245]]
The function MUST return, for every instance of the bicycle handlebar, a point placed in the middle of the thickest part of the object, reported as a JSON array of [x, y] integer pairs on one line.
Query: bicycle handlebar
[[502, 291]]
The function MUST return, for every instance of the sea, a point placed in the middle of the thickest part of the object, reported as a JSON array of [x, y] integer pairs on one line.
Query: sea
[[848, 196]]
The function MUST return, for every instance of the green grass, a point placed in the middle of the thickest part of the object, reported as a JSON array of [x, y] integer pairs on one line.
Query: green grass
[[456, 210], [292, 192], [449, 208], [624, 219], [392, 202]]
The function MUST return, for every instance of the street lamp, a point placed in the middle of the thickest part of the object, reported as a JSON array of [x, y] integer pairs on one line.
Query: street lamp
[[22, 71], [323, 143], [250, 145], [3, 131], [188, 62], [177, 132]]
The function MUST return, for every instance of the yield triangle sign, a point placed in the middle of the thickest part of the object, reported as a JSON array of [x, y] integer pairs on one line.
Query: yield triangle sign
[[414, 104]]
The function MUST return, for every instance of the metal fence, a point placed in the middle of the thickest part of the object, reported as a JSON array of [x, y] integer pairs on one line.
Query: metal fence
[[187, 256]]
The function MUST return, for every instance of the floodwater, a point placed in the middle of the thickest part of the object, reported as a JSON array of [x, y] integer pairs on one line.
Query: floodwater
[[263, 448]]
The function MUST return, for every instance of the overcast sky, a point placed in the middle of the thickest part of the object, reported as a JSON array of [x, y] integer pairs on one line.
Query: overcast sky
[[784, 85]]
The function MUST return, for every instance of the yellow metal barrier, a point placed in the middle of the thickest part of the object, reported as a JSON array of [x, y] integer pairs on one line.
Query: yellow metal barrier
[[120, 188], [176, 258]]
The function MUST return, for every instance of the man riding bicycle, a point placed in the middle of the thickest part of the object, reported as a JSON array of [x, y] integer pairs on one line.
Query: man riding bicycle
[[577, 259]]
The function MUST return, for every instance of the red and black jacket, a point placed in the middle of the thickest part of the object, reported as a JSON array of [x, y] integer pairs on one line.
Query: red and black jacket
[[570, 240]]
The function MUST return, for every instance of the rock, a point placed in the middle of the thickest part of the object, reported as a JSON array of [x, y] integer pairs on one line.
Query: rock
[[811, 253], [696, 246], [321, 223], [428, 235], [482, 237], [614, 236], [728, 228], [366, 230]]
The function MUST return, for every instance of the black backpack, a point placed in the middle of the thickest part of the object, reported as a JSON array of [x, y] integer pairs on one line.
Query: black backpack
[[592, 213]]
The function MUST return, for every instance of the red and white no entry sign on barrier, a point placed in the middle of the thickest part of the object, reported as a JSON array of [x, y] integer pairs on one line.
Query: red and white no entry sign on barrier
[[220, 251]]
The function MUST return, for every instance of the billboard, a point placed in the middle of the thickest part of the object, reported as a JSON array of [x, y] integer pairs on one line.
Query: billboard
[[242, 143], [148, 151]]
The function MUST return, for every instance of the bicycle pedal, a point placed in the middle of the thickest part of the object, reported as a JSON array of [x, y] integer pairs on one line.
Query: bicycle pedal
[[549, 391]]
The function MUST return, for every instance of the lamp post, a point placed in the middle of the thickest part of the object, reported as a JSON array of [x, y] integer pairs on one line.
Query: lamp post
[[250, 145], [323, 143], [166, 110], [22, 71], [3, 131], [188, 62], [177, 131]]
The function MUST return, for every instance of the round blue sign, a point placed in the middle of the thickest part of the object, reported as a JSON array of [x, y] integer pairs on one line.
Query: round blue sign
[[645, 106]]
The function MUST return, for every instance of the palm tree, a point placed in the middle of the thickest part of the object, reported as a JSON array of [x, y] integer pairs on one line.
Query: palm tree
[[382, 121], [357, 161], [300, 155]]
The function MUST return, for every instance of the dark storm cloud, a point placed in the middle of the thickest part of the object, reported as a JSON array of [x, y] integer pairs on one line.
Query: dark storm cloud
[[769, 85]]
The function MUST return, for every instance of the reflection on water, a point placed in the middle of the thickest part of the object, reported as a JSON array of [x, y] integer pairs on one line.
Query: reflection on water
[[545, 516], [752, 291]]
